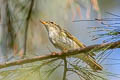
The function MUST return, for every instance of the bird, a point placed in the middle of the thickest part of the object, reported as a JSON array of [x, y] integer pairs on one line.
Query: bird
[[65, 41]]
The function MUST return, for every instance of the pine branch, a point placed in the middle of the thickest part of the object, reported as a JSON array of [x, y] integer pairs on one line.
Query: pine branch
[[112, 45]]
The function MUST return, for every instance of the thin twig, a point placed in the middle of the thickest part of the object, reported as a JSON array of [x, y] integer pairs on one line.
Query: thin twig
[[27, 26], [65, 68], [96, 19], [112, 45], [112, 14]]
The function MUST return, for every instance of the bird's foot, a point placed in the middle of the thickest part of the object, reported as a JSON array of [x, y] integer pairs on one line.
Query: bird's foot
[[54, 53], [65, 50]]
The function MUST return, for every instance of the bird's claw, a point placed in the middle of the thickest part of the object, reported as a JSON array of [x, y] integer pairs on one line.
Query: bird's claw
[[54, 53]]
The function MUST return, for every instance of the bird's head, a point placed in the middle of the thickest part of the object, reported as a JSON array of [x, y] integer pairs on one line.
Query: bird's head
[[51, 26]]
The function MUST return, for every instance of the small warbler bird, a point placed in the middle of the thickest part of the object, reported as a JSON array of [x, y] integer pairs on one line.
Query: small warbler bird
[[63, 40]]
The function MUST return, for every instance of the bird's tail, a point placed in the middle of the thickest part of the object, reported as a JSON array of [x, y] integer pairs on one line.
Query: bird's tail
[[91, 62]]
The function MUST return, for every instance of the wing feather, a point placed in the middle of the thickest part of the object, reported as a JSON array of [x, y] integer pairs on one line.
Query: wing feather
[[77, 41]]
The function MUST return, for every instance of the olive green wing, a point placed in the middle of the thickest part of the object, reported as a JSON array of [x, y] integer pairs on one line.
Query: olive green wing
[[76, 41]]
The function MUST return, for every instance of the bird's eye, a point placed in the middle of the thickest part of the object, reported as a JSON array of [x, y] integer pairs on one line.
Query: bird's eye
[[52, 22]]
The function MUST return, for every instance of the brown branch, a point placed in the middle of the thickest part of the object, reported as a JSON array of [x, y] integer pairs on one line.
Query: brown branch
[[27, 26], [61, 55]]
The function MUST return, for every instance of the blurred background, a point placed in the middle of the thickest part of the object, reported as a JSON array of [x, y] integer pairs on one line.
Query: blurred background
[[64, 13]]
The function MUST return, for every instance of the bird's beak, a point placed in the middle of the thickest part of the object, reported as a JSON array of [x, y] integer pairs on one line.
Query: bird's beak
[[43, 22]]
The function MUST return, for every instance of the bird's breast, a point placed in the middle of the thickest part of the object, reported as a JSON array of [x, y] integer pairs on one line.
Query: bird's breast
[[62, 41]]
